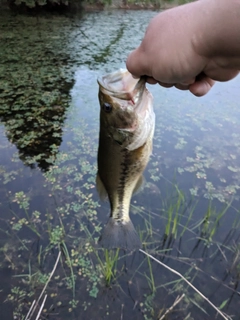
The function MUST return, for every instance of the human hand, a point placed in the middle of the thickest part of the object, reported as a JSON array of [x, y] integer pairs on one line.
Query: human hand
[[175, 51]]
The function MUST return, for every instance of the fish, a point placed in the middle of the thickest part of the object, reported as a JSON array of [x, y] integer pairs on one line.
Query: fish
[[127, 122]]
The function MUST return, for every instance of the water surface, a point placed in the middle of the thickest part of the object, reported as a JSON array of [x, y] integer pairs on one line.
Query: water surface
[[187, 214]]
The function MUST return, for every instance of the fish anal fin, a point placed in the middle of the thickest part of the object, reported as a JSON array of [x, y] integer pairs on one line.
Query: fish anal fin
[[139, 185], [119, 234], [100, 188]]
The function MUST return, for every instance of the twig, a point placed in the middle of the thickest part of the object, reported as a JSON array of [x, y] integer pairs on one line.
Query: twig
[[189, 283], [221, 252], [40, 310], [122, 312], [32, 305], [178, 299], [36, 304]]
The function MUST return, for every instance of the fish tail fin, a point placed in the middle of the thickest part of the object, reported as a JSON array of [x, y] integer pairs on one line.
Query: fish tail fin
[[120, 234]]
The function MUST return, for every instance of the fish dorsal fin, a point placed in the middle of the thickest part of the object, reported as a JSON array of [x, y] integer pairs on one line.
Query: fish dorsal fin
[[139, 185], [100, 188]]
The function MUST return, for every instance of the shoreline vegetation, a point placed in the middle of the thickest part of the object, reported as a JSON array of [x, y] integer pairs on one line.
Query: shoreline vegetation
[[35, 6], [131, 4]]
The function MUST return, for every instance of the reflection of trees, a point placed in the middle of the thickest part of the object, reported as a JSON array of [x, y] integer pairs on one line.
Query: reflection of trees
[[36, 133], [34, 94], [35, 127]]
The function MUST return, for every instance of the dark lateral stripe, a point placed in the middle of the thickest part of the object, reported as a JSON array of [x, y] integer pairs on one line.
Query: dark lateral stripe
[[122, 182]]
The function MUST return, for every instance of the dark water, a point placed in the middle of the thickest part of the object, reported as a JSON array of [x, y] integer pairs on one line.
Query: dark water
[[187, 214]]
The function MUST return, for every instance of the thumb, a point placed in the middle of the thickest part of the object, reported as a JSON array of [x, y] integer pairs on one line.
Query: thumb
[[137, 63]]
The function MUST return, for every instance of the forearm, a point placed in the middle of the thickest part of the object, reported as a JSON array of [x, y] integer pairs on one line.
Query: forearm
[[219, 35]]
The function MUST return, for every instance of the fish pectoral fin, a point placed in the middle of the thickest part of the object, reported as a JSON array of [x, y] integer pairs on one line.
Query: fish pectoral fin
[[139, 185], [120, 234], [100, 188]]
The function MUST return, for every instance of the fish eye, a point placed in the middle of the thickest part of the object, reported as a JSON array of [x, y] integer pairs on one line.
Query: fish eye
[[107, 107]]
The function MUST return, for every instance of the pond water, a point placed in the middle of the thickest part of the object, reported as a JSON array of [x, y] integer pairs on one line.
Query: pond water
[[187, 214]]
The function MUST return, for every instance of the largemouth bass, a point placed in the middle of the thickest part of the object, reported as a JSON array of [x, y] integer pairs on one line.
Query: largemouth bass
[[127, 125]]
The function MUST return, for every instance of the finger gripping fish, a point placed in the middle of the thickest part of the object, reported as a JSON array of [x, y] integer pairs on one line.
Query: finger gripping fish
[[127, 125]]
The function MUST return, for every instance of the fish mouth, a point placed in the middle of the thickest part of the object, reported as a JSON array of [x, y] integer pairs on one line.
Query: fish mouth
[[122, 85]]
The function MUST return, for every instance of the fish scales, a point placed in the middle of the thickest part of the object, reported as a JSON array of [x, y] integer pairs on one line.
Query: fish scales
[[125, 143]]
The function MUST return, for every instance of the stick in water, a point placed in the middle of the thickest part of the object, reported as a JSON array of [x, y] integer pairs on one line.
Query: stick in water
[[189, 283], [36, 304], [40, 310], [178, 299]]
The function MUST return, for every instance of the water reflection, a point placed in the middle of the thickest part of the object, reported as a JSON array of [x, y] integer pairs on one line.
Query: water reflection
[[34, 94], [37, 135]]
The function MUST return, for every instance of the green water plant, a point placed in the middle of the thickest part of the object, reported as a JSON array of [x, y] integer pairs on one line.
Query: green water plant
[[109, 267], [174, 209], [106, 259], [150, 278], [28, 221], [211, 220]]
